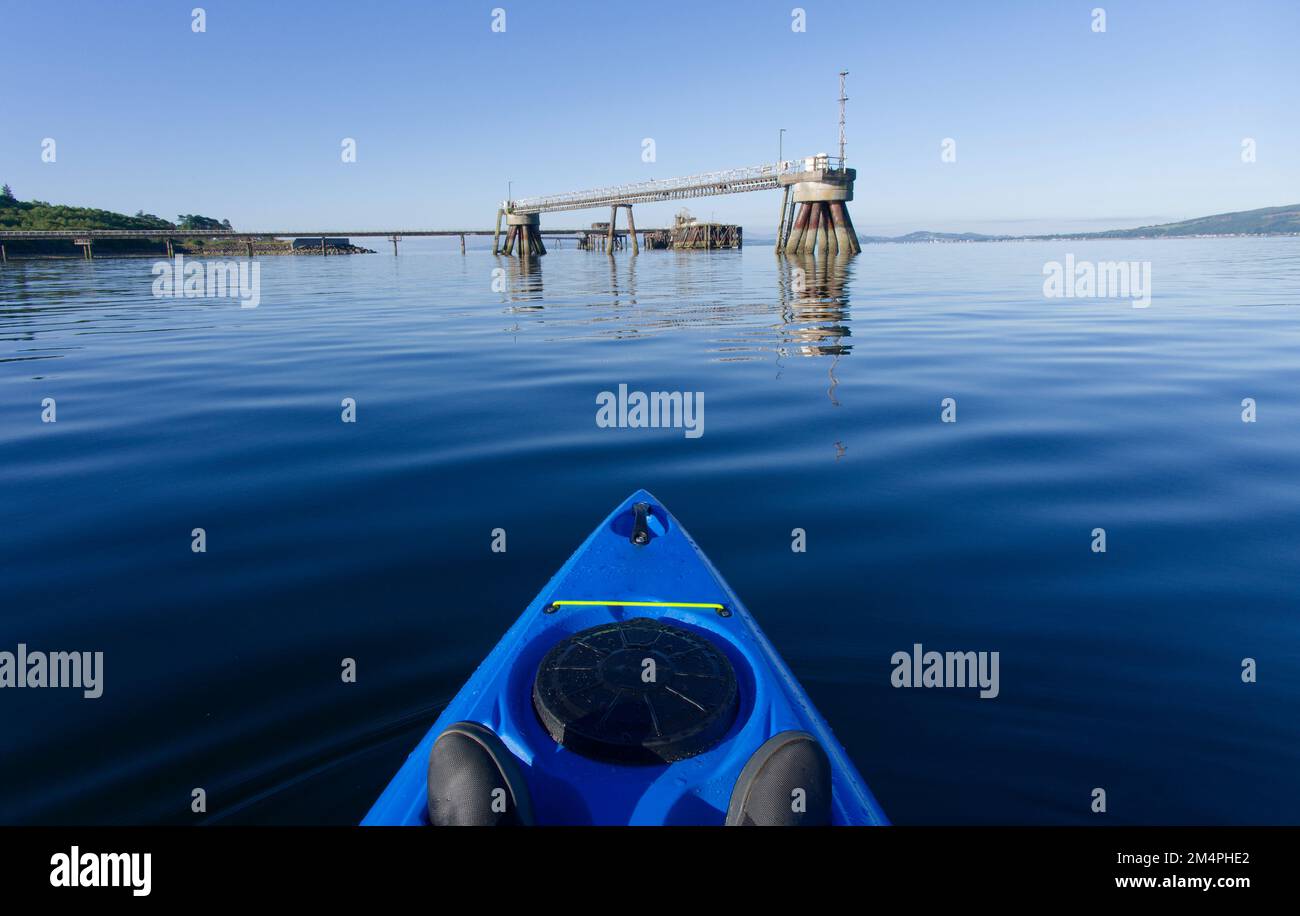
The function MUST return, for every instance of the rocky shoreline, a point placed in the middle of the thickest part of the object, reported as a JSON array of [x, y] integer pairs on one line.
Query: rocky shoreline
[[60, 249]]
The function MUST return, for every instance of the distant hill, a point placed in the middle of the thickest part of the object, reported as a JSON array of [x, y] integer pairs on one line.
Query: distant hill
[[1265, 221], [925, 236]]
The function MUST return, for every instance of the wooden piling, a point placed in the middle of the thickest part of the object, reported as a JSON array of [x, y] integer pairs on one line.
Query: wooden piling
[[496, 236], [462, 244], [613, 218]]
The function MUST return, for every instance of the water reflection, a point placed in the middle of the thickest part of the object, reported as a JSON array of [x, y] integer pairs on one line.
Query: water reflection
[[683, 290], [630, 284], [523, 281], [814, 306]]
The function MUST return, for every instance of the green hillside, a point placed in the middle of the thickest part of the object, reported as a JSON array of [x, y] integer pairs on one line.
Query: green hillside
[[1266, 221], [18, 214]]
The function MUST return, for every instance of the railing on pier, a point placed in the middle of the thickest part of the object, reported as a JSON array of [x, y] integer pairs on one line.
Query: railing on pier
[[707, 184]]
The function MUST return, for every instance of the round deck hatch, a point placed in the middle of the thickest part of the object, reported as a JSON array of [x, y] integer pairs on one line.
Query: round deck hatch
[[637, 691]]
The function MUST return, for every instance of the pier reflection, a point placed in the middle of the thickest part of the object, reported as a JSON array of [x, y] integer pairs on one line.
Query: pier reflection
[[622, 293], [523, 278], [723, 300], [814, 306]]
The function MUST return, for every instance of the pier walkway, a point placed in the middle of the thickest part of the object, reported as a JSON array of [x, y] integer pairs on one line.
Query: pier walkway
[[707, 184]]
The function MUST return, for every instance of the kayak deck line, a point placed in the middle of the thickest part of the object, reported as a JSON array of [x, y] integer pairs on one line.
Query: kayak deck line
[[716, 607], [720, 609]]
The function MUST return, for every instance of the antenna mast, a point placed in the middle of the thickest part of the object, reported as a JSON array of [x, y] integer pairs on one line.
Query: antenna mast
[[843, 98]]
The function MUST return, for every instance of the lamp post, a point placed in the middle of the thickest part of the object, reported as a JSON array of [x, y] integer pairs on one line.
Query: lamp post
[[780, 147]]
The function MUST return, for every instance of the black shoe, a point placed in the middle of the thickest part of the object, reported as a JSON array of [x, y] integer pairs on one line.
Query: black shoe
[[474, 781], [787, 783]]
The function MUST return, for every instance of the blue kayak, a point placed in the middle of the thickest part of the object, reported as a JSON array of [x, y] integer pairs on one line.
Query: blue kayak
[[635, 689]]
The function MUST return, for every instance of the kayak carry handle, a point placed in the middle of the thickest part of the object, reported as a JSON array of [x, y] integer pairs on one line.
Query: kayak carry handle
[[640, 526]]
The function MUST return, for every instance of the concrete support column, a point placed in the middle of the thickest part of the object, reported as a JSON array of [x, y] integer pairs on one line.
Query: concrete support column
[[525, 233], [631, 231], [814, 230], [832, 243], [780, 223], [797, 231], [844, 237], [823, 225], [853, 233]]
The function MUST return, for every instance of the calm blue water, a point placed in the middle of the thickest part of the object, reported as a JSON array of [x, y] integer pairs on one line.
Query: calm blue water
[[476, 411]]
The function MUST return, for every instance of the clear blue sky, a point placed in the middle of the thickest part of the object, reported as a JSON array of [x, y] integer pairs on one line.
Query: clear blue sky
[[1056, 126]]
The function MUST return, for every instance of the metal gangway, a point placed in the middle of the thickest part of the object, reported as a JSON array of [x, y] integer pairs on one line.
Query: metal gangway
[[707, 184]]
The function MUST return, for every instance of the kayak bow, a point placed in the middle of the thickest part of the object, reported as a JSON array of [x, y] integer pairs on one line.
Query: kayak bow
[[635, 689]]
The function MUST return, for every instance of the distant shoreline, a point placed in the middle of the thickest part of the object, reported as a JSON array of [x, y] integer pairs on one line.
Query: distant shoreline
[[146, 235], [1265, 222], [63, 250], [1086, 237]]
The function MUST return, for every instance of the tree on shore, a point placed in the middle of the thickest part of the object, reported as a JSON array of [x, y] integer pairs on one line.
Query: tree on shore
[[7, 194], [194, 221]]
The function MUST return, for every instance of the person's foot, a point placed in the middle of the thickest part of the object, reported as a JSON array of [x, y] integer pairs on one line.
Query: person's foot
[[787, 783], [474, 780]]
